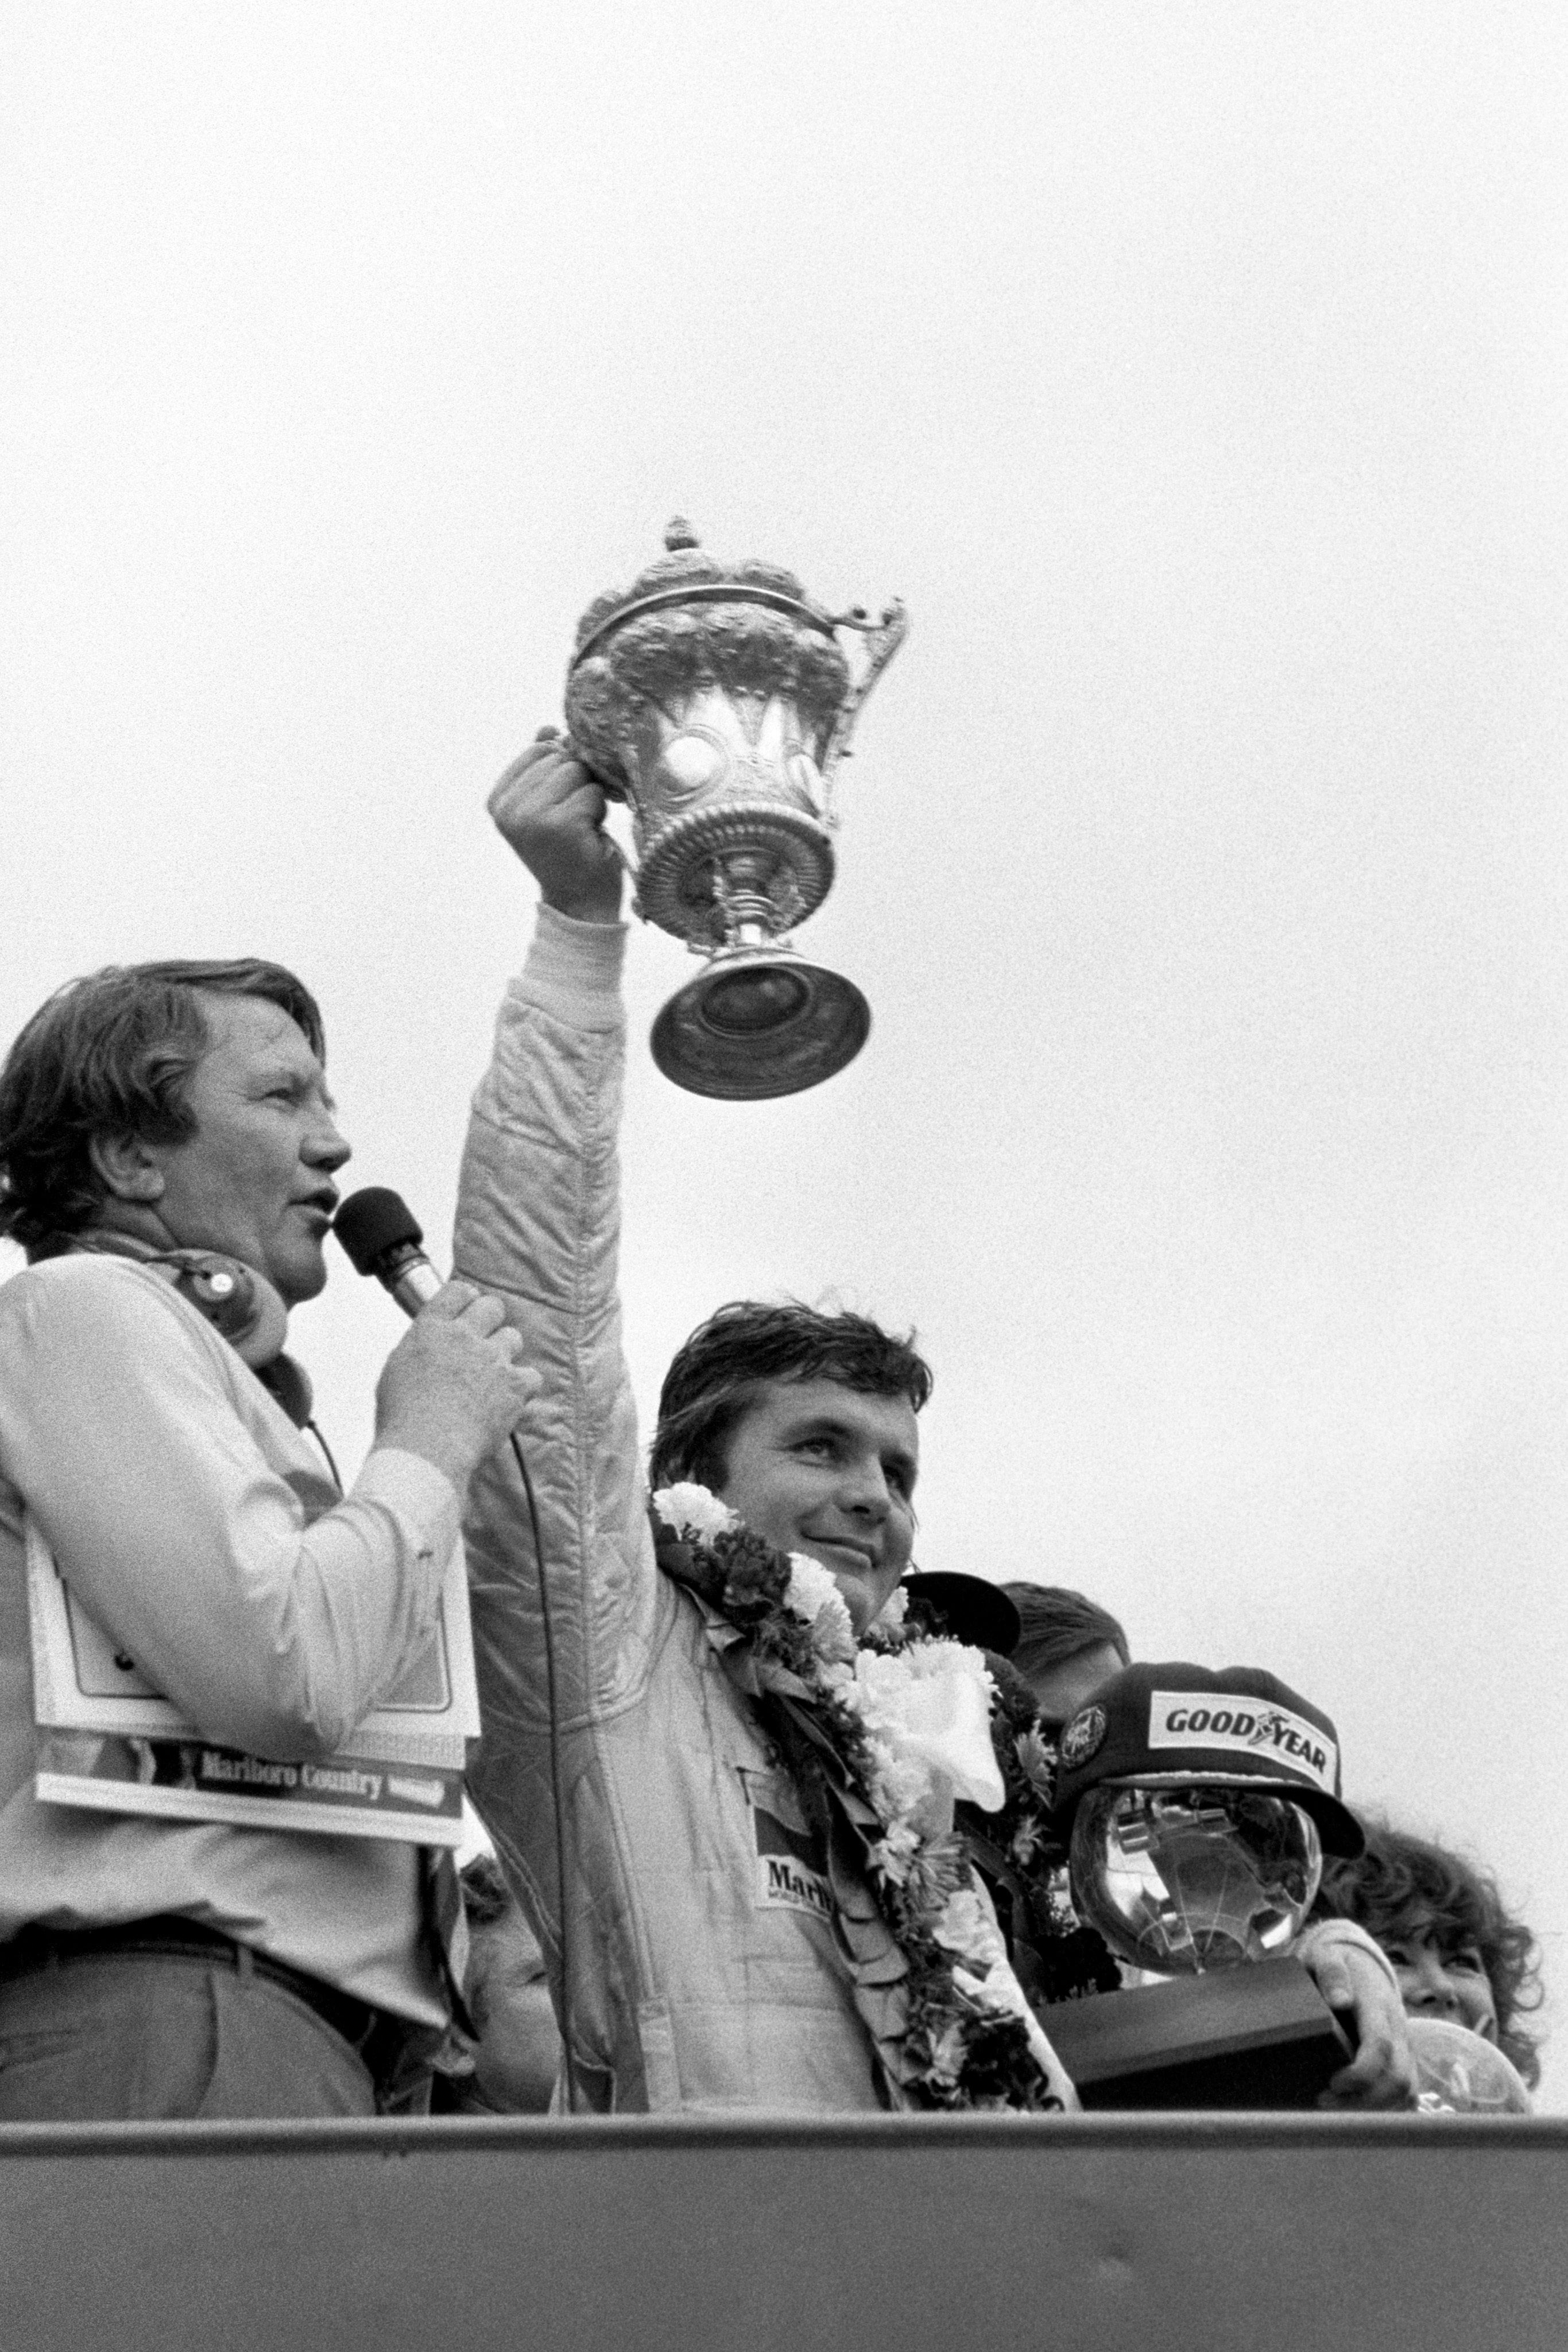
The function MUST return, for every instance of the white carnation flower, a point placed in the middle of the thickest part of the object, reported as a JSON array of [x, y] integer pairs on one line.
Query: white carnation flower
[[902, 1786], [811, 1589], [931, 1703], [968, 1927], [882, 1678], [928, 1661], [947, 2055], [999, 1990], [692, 1510], [895, 1852], [812, 1595]]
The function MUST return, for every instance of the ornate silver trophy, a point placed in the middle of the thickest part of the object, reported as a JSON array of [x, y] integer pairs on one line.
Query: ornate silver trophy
[[716, 701]]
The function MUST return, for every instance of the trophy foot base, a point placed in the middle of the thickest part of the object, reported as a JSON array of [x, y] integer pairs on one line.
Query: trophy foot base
[[1256, 2035], [759, 1023]]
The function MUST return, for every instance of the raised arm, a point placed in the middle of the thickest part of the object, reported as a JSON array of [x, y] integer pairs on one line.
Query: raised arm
[[538, 1223]]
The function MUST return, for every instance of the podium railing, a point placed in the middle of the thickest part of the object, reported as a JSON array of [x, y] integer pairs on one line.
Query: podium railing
[[1189, 2234]]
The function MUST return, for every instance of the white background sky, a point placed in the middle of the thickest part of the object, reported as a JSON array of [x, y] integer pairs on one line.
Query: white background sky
[[1196, 373]]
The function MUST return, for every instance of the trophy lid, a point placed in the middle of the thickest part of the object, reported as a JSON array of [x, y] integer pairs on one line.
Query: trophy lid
[[1180, 1726], [685, 575]]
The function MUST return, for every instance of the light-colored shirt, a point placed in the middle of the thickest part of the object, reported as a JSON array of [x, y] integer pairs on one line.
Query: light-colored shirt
[[198, 1526]]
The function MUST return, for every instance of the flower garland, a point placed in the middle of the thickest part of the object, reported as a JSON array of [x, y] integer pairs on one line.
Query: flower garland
[[885, 1737]]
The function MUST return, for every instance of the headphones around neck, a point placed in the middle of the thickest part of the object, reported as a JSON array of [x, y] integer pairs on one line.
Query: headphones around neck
[[244, 1309], [240, 1304]]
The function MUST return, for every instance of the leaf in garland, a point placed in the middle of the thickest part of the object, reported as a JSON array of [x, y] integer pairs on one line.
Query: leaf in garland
[[1027, 1841], [684, 1563], [1037, 1760]]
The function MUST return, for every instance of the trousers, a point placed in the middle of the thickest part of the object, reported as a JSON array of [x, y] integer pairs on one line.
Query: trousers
[[145, 2037]]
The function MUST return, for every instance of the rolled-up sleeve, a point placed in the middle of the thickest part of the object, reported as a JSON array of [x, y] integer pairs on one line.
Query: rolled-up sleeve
[[274, 1623]]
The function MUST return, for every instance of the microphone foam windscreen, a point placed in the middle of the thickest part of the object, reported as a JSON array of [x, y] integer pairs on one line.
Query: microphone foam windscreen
[[371, 1223]]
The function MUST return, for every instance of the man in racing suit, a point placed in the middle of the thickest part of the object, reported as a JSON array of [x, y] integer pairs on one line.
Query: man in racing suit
[[696, 1929]]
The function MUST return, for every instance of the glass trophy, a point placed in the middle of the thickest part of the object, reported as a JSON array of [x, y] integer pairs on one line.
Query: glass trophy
[[1205, 1888]]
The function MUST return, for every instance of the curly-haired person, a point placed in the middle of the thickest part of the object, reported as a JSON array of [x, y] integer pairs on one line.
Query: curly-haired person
[[1460, 1957]]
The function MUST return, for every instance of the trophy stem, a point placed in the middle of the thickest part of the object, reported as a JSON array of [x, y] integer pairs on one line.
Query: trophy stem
[[748, 934], [750, 907]]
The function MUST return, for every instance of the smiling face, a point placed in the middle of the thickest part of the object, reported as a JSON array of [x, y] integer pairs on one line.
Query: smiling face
[[1440, 1979], [255, 1181], [817, 1467]]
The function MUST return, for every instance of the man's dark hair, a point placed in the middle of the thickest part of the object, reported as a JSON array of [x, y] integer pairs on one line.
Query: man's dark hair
[[112, 1053], [1406, 1887], [717, 1372], [1058, 1625]]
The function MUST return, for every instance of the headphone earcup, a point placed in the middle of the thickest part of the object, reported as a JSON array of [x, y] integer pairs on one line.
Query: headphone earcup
[[239, 1303]]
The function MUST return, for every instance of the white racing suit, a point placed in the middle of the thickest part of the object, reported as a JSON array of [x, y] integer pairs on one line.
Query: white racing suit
[[704, 1972]]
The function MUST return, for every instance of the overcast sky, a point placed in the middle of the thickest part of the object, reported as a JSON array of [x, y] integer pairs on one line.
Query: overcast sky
[[1195, 375]]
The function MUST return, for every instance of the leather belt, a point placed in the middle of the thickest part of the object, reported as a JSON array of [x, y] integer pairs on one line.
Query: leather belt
[[374, 2034]]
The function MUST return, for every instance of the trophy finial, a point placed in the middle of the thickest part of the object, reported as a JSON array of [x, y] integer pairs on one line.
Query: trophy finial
[[679, 534]]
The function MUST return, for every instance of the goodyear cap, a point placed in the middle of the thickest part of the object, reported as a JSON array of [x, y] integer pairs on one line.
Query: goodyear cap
[[1181, 1725]]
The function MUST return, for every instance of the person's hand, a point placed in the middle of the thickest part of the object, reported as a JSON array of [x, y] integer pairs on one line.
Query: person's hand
[[549, 809], [452, 1386], [1383, 2072]]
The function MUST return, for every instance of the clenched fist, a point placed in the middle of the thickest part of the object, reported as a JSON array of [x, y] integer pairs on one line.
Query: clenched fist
[[549, 809], [452, 1386]]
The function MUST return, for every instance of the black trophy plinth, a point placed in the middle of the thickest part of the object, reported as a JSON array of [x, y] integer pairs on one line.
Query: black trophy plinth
[[1256, 2035]]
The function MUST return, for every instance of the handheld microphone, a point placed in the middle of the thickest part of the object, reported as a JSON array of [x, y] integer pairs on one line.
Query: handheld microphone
[[382, 1237]]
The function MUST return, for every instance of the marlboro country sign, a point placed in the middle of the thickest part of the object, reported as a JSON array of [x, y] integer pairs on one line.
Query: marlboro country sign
[[108, 1740]]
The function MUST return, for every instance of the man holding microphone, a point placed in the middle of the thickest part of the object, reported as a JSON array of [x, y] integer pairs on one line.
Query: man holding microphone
[[168, 1148]]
